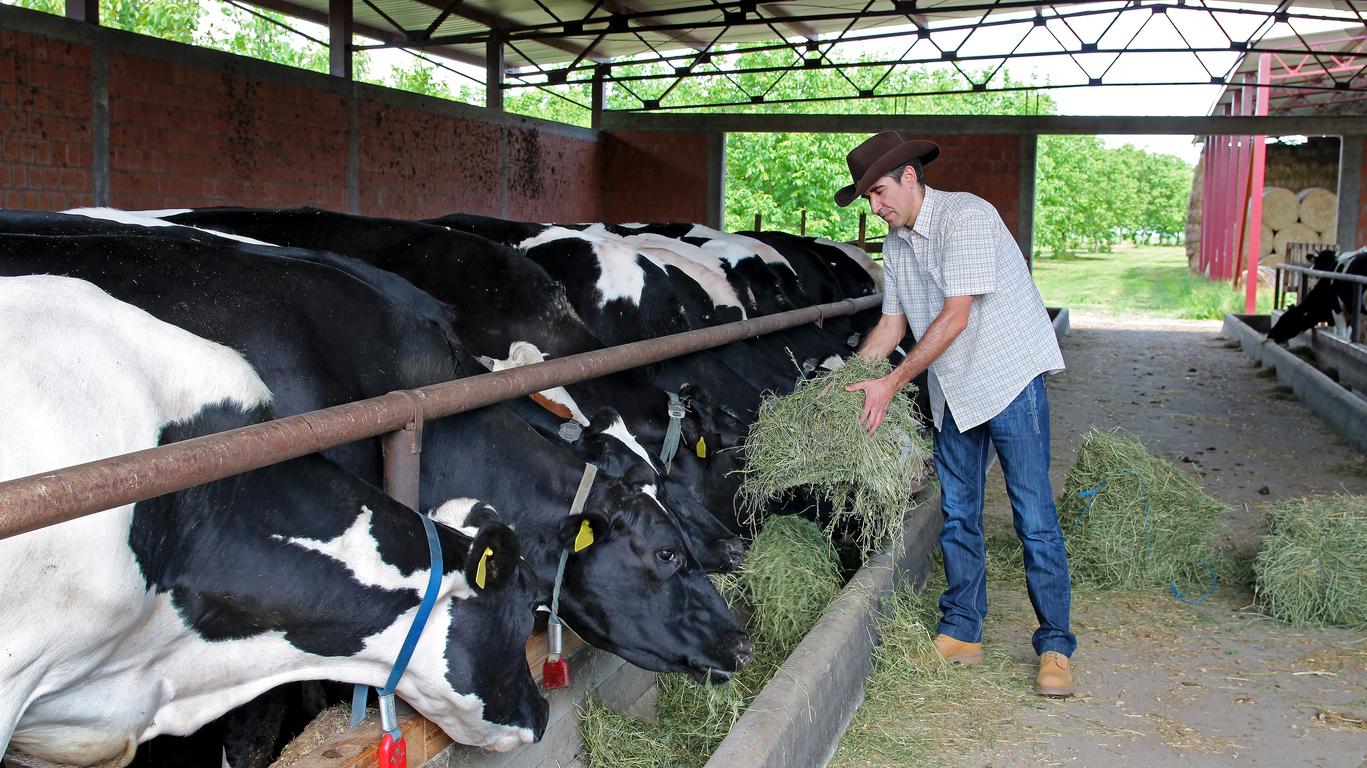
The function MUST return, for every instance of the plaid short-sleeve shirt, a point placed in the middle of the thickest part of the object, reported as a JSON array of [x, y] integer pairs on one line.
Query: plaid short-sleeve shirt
[[959, 246]]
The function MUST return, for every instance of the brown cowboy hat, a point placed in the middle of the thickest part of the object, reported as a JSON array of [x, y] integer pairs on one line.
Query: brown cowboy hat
[[877, 156]]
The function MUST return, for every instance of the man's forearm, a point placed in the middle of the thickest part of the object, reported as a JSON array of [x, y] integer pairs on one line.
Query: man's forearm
[[884, 338], [946, 327]]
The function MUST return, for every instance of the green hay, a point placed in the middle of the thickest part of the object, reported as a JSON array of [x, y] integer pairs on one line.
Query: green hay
[[790, 575], [1133, 520], [1312, 568], [812, 439]]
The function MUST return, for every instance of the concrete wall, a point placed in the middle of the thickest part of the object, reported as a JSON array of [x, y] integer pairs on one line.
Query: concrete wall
[[92, 116]]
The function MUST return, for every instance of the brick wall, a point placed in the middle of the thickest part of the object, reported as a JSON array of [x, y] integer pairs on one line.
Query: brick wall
[[191, 127], [987, 166], [46, 140], [650, 172], [186, 136]]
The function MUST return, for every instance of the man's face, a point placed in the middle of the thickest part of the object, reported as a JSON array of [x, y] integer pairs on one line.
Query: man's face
[[896, 202]]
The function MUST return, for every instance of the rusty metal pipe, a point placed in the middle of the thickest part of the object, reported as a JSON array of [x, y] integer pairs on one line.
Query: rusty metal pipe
[[33, 502]]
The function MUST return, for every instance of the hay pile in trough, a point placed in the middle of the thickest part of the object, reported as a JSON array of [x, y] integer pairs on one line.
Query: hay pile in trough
[[1312, 567], [790, 575], [1132, 520], [812, 439]]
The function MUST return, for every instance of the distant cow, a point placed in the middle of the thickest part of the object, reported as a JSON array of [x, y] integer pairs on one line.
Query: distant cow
[[1330, 301], [157, 617]]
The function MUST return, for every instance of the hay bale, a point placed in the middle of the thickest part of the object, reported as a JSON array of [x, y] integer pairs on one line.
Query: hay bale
[[1133, 520], [1319, 208], [1293, 233], [1312, 567], [812, 439], [1280, 207]]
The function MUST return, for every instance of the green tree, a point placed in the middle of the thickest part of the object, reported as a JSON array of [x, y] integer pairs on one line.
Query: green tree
[[167, 19]]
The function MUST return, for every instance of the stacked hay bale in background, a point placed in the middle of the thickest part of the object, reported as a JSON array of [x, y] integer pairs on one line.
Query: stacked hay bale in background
[[1308, 216]]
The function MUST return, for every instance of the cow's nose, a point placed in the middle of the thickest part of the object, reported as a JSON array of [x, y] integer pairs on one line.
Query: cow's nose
[[745, 650], [735, 552]]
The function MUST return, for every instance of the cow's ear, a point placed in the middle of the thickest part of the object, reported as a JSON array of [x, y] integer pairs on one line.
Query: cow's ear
[[603, 419], [492, 559], [580, 532], [641, 473]]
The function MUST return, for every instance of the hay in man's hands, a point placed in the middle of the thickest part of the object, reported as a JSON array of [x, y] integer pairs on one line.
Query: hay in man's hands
[[1312, 567], [812, 439], [1131, 519]]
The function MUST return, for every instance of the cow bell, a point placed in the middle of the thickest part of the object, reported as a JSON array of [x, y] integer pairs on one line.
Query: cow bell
[[393, 753], [555, 672]]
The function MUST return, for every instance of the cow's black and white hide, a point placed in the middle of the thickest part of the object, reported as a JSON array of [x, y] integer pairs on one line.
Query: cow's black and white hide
[[321, 337], [158, 617], [502, 299], [1330, 301]]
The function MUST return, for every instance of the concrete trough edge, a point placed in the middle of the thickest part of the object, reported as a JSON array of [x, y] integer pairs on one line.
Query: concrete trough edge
[[797, 720], [1339, 409]]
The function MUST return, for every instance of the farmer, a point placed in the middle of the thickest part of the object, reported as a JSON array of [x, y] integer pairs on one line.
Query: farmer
[[955, 275]]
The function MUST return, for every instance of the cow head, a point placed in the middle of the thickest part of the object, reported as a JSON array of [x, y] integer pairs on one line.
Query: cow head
[[638, 590]]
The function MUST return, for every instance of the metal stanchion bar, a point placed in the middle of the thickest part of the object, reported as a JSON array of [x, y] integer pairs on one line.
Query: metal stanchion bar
[[53, 497]]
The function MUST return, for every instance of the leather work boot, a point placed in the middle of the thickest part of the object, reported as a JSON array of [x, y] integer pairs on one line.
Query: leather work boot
[[958, 652], [1055, 676]]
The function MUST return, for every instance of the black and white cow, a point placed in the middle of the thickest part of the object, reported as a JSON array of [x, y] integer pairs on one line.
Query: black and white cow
[[157, 617], [501, 300], [1330, 301], [320, 337]]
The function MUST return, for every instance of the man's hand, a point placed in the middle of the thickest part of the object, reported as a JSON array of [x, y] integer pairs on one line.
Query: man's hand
[[877, 395]]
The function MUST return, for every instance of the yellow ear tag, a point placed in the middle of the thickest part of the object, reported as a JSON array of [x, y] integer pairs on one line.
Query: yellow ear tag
[[701, 447], [481, 569], [585, 536]]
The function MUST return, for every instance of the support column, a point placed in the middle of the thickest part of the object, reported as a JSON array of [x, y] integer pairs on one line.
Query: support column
[[1255, 184], [1025, 232], [597, 103], [339, 38], [83, 10], [716, 179], [99, 125], [1350, 193], [493, 75]]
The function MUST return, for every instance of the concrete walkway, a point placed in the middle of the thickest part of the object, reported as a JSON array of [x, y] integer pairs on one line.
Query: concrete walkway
[[1160, 683]]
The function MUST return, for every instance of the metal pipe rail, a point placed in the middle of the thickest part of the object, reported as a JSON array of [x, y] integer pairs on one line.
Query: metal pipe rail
[[1278, 295], [33, 502]]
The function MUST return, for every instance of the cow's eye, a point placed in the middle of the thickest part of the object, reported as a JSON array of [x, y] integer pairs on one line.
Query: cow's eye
[[665, 555]]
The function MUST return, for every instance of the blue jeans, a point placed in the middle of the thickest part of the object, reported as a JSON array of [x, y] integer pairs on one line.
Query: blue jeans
[[1021, 436]]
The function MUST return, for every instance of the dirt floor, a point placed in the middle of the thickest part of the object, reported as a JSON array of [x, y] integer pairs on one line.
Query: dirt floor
[[1161, 683]]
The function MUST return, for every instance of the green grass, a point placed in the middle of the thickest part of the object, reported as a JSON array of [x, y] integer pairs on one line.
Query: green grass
[[1149, 280]]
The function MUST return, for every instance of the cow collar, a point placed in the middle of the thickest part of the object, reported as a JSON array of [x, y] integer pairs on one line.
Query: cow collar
[[554, 632], [388, 719], [673, 434]]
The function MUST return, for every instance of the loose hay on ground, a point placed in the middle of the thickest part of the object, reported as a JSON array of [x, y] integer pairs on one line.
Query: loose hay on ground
[[812, 439], [790, 575], [1133, 520], [1312, 567]]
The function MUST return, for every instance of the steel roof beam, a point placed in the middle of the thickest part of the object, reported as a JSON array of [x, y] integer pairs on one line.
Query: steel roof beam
[[984, 124], [395, 39], [493, 21], [619, 8]]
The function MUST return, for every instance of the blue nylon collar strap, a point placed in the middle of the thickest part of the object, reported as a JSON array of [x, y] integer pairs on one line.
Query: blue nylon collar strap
[[429, 599], [674, 433]]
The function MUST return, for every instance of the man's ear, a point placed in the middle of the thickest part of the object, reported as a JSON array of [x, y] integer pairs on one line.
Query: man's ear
[[580, 532], [909, 177]]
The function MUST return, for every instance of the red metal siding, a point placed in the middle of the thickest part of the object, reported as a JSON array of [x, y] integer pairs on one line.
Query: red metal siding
[[46, 141]]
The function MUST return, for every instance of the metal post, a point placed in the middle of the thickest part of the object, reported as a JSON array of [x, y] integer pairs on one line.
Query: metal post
[[759, 223], [597, 102], [339, 38], [863, 228], [1207, 179], [1353, 335], [493, 75], [1350, 191], [403, 457], [802, 227], [83, 10], [1255, 186]]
